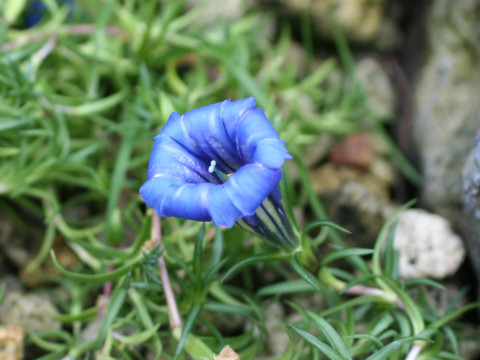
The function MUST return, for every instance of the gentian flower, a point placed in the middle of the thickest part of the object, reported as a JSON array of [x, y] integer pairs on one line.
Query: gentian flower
[[36, 10], [221, 163]]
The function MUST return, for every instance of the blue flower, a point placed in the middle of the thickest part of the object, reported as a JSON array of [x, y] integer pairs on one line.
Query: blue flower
[[37, 9], [221, 163]]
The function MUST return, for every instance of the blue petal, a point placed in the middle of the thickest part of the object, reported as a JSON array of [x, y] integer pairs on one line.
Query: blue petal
[[271, 153], [253, 129], [243, 193], [172, 157], [232, 111], [208, 132], [169, 197]]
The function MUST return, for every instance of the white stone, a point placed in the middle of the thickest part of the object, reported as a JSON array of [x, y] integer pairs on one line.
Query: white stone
[[427, 245]]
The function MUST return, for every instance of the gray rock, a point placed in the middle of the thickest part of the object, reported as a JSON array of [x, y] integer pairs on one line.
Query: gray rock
[[427, 245], [33, 312], [362, 21], [277, 339], [377, 86], [215, 10], [471, 205], [447, 110], [12, 283]]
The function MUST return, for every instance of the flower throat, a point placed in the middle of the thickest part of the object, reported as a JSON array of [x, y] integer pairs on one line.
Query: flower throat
[[213, 169]]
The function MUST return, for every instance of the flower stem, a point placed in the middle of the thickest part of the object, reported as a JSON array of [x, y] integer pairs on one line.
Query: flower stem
[[107, 292], [414, 352], [175, 319]]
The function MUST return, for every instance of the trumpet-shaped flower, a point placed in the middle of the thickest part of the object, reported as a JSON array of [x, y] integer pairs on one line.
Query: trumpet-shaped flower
[[221, 163]]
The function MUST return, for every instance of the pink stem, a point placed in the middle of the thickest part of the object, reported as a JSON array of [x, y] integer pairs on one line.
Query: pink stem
[[77, 29], [364, 290], [414, 352], [107, 291], [175, 319]]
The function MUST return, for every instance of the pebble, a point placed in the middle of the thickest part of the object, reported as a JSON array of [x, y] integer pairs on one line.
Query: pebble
[[427, 245]]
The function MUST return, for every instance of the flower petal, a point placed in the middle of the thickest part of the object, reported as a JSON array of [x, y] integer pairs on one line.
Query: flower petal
[[253, 130], [243, 193], [168, 197], [168, 158], [209, 132], [271, 153]]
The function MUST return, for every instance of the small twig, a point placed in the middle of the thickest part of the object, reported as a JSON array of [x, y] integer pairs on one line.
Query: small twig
[[175, 319]]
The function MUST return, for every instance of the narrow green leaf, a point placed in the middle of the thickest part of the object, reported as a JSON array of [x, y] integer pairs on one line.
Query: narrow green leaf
[[286, 191], [3, 290], [399, 159], [303, 273], [440, 322], [97, 277], [289, 354], [114, 223], [218, 307], [115, 304], [297, 286], [424, 281], [345, 253], [379, 243], [381, 323], [319, 223], [82, 315], [198, 253], [217, 249], [53, 355], [254, 259], [138, 337], [97, 106], [50, 345], [411, 307], [314, 200], [382, 237], [390, 255], [332, 336], [249, 84], [346, 56], [188, 326], [367, 337], [452, 338], [9, 124], [449, 356], [142, 311], [359, 300], [330, 353], [46, 247], [386, 351], [8, 151], [212, 273]]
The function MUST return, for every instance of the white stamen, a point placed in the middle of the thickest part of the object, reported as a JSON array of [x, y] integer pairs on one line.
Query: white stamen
[[211, 169]]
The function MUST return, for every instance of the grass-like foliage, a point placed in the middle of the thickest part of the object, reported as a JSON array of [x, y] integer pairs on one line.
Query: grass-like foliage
[[83, 92]]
